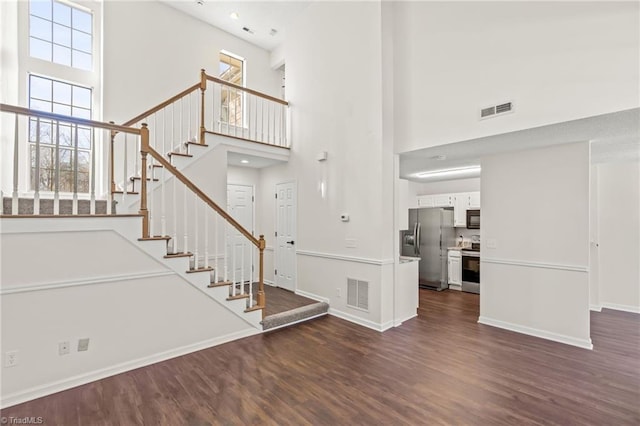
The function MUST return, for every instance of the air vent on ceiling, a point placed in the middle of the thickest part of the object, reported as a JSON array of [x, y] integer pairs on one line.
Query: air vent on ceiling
[[496, 110], [358, 294]]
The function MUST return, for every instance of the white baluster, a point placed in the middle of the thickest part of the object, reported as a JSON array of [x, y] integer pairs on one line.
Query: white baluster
[[110, 178], [213, 106], [236, 101], [262, 120], [206, 237], [180, 128], [125, 176], [56, 189], [250, 304], [173, 130], [92, 207], [216, 235], [190, 116], [36, 194], [242, 269], [163, 202], [136, 169], [195, 234], [226, 252], [273, 106], [185, 220], [174, 203], [16, 147], [234, 269]]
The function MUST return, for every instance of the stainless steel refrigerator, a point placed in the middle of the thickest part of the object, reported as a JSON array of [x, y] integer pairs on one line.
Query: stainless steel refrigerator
[[431, 233]]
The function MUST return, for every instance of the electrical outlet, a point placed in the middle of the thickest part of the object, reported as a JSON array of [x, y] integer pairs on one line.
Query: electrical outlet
[[64, 348], [11, 359], [83, 345], [338, 292]]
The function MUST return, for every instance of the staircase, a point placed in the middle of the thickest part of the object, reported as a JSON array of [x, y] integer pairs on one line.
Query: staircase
[[182, 227]]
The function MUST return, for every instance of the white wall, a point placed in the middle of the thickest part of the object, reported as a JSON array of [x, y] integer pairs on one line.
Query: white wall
[[535, 211], [134, 309], [556, 61], [446, 186], [152, 52], [341, 115], [619, 235]]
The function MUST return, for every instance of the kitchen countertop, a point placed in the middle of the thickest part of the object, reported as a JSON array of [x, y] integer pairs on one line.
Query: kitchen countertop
[[407, 259]]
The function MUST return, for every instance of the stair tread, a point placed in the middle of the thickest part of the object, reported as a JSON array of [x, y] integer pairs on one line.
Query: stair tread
[[157, 165], [132, 178], [196, 143], [207, 269], [220, 284], [155, 238], [179, 154], [128, 192], [238, 297], [254, 308], [172, 255]]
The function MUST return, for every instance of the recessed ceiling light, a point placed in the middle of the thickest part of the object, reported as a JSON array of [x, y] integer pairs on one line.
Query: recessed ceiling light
[[244, 161], [247, 30], [234, 15], [449, 172]]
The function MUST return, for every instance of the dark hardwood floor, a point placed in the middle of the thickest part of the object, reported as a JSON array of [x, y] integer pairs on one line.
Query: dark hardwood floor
[[440, 368], [281, 300]]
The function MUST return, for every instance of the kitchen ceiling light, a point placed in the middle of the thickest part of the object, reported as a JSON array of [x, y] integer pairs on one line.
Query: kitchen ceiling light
[[234, 15], [244, 161], [449, 172]]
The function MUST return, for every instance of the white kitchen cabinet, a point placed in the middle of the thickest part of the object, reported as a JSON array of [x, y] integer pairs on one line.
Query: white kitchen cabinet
[[474, 200], [461, 202], [443, 200], [426, 201], [454, 263]]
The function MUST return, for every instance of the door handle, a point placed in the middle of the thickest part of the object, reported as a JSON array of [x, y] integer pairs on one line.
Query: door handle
[[291, 242]]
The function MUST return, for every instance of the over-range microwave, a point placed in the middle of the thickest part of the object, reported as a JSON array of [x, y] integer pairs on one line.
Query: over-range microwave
[[473, 219]]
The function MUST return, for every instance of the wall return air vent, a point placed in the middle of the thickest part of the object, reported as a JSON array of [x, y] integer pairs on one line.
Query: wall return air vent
[[358, 294], [494, 110]]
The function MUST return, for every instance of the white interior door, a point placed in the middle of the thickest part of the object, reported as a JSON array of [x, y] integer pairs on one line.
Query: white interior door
[[239, 249], [285, 255]]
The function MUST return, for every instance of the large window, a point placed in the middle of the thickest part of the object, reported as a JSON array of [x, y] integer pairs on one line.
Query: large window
[[74, 142], [60, 33], [232, 70]]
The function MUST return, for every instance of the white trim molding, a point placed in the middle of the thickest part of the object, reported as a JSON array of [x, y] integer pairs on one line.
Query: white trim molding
[[543, 334], [344, 258], [72, 382], [624, 308], [595, 308], [361, 321], [77, 283], [312, 296], [573, 268]]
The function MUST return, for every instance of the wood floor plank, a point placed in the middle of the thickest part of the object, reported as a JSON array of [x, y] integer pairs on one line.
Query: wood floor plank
[[441, 368]]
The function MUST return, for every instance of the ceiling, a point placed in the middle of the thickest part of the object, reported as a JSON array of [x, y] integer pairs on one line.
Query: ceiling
[[614, 137], [259, 16]]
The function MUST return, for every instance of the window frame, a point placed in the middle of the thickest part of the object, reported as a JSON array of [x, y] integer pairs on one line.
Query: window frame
[[243, 97]]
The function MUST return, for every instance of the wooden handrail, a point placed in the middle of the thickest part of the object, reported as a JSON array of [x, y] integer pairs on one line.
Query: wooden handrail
[[244, 89], [67, 119], [162, 105], [204, 197]]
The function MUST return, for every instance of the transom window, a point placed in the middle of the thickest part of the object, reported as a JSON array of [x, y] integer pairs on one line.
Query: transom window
[[232, 70], [73, 143], [61, 33]]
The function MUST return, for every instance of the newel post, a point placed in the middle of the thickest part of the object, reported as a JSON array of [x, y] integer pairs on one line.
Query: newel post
[[261, 297], [144, 150], [203, 87]]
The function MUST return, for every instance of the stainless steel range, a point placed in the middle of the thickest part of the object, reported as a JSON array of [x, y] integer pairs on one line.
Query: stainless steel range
[[471, 269]]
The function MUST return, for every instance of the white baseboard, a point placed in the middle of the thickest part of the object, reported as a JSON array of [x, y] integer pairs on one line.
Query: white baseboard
[[82, 379], [361, 321], [398, 323], [311, 296], [543, 334], [271, 283], [625, 308], [595, 308]]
